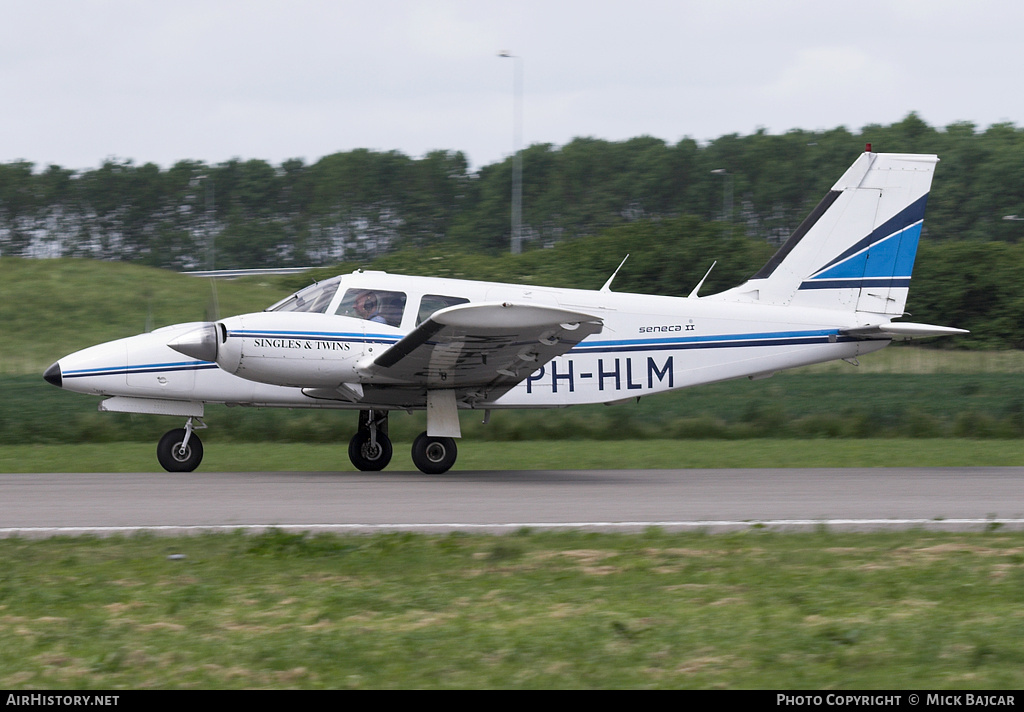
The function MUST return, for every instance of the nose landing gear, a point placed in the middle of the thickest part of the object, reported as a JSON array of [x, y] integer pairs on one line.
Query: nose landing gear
[[180, 450]]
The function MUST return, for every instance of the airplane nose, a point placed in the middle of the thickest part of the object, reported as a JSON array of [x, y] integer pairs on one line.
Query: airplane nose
[[53, 376], [200, 343]]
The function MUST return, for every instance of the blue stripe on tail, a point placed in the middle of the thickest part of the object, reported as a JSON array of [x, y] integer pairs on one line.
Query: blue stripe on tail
[[883, 258]]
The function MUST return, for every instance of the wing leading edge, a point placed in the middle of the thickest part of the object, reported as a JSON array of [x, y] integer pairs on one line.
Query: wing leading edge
[[480, 350]]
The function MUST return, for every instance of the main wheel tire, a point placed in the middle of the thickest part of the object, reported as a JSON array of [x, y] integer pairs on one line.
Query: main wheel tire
[[173, 458], [433, 455], [367, 458]]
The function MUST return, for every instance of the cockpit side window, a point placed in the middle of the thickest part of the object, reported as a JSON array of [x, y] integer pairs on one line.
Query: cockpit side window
[[313, 299], [376, 305], [431, 303]]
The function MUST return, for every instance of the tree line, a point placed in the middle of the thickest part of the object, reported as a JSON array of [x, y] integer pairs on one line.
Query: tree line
[[362, 204]]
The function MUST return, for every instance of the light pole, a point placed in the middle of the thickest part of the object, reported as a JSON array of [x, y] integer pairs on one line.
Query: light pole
[[517, 157]]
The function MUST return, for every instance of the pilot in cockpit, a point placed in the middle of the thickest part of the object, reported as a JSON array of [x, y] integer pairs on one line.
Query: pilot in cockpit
[[368, 307]]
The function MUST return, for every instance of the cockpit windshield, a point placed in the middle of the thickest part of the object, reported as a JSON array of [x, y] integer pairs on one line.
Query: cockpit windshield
[[313, 299]]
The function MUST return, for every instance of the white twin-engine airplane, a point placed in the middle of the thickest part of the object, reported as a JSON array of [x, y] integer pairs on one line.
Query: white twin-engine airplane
[[377, 342]]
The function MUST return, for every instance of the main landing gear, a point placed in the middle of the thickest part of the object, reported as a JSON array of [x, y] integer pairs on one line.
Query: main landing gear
[[370, 448], [433, 455]]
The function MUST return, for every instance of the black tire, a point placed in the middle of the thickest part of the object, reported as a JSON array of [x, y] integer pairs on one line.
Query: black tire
[[168, 451], [433, 455], [367, 458]]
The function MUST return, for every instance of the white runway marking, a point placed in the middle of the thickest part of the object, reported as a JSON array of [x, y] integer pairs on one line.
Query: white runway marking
[[717, 525]]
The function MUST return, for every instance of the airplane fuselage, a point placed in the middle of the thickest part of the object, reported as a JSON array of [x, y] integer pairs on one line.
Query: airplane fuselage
[[648, 344], [375, 342]]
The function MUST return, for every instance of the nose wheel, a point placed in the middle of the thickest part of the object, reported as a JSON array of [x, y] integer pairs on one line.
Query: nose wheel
[[180, 450]]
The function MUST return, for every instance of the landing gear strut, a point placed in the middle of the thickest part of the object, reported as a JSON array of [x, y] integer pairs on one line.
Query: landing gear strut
[[180, 450], [370, 448]]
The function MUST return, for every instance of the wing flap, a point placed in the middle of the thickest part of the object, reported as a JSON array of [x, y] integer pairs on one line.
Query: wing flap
[[481, 349]]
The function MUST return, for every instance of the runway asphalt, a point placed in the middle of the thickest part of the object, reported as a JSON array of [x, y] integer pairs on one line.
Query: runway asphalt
[[44, 504]]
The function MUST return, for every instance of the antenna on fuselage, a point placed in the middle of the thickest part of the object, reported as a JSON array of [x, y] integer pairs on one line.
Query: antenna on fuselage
[[693, 294], [608, 285]]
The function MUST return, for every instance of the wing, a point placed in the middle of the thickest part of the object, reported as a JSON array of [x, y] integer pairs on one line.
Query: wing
[[482, 350]]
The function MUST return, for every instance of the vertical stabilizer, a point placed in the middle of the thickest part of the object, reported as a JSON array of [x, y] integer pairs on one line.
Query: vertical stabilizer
[[856, 250]]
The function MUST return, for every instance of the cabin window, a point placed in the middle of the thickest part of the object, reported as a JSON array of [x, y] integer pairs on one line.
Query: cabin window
[[436, 302], [376, 305], [313, 299]]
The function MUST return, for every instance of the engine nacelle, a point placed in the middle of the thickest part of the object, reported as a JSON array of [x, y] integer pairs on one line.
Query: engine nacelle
[[286, 349]]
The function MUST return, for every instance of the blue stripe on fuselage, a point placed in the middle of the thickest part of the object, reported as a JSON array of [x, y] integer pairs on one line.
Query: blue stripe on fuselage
[[721, 341], [140, 368]]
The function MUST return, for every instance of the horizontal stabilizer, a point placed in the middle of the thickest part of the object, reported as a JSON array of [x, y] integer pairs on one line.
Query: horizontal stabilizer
[[901, 330]]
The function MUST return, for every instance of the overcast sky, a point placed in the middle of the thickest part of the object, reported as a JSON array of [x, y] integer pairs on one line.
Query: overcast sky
[[162, 81]]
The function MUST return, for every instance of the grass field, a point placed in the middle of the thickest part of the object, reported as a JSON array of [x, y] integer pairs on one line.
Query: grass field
[[50, 308], [754, 610]]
